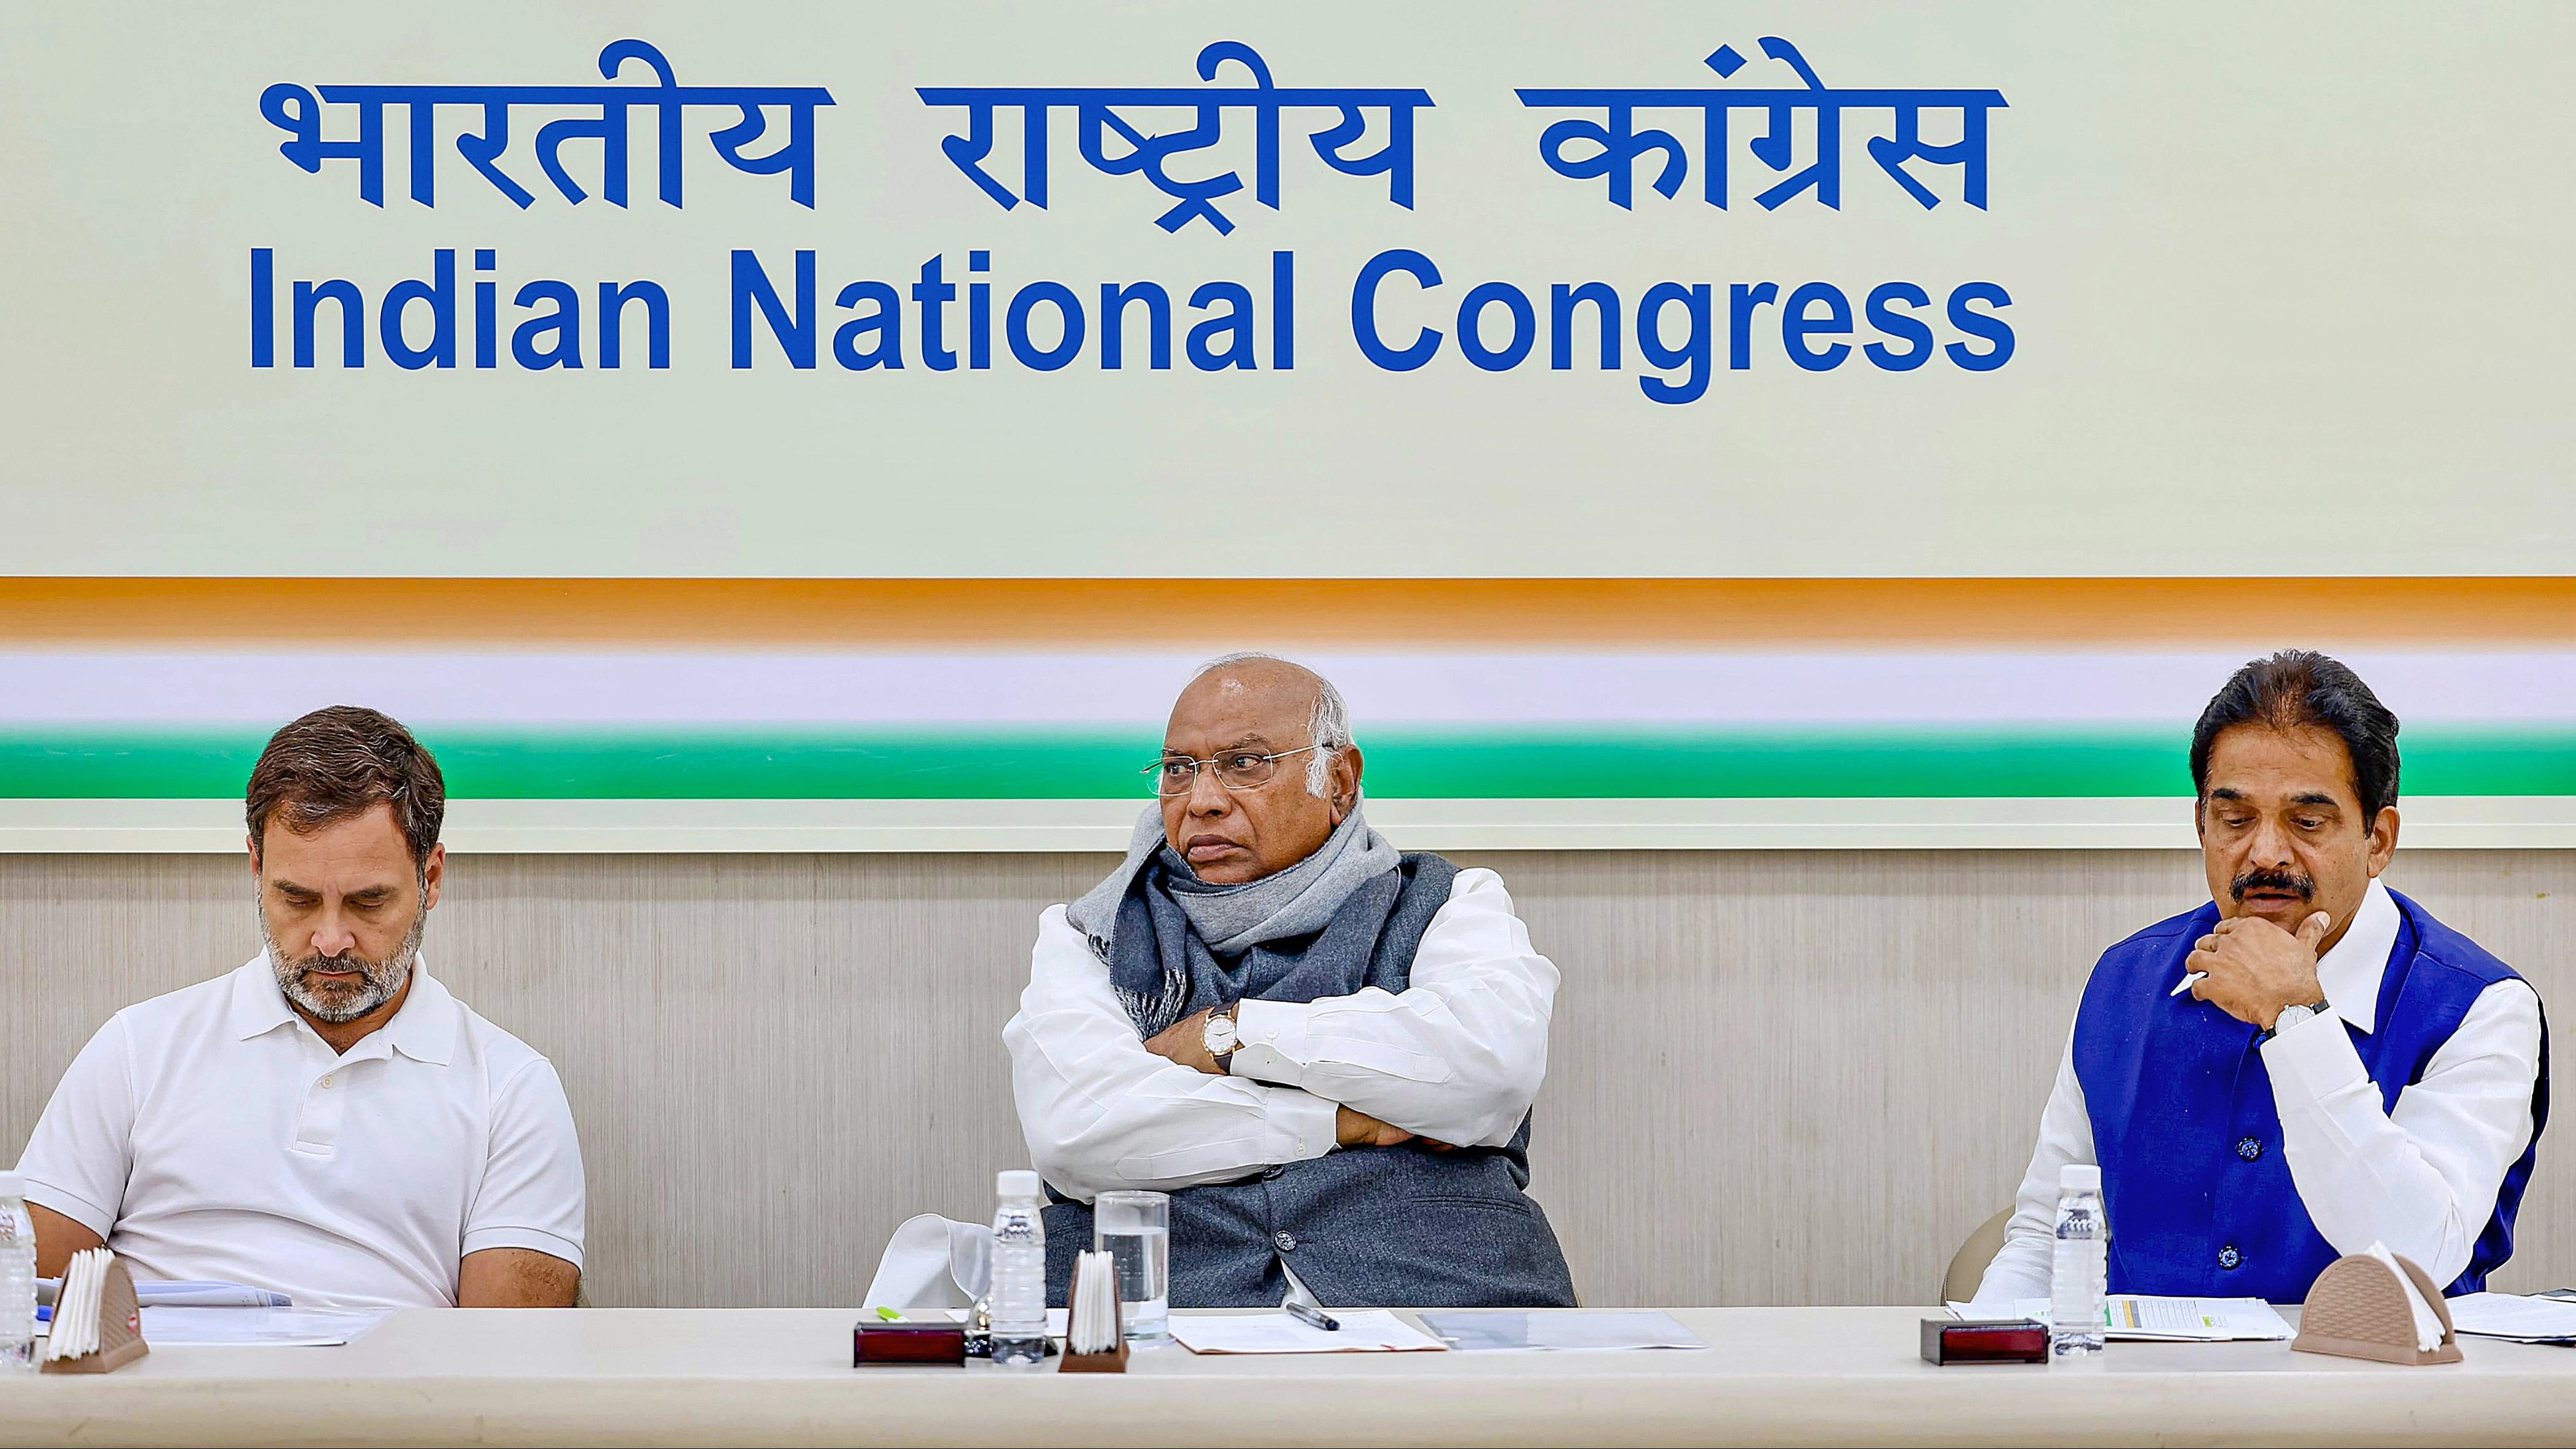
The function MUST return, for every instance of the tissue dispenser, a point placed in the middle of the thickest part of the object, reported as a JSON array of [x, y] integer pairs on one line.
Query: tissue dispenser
[[2358, 1309]]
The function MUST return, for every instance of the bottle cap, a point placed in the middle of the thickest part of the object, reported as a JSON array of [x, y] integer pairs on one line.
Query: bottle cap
[[1018, 1182], [2079, 1177]]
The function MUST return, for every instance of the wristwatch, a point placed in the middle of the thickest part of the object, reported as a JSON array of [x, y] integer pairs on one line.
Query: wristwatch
[[2291, 1016], [1221, 1039]]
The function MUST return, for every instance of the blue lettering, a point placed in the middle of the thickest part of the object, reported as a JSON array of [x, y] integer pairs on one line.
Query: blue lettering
[[440, 294], [564, 322], [1471, 341], [1235, 323], [1113, 324], [1741, 299], [309, 297], [885, 324], [1426, 343], [1883, 315], [1561, 301], [1797, 324], [752, 288], [1694, 351], [263, 307], [1984, 325], [1068, 332], [657, 322]]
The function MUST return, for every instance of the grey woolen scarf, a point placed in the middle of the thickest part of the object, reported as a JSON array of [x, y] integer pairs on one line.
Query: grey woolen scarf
[[1228, 919]]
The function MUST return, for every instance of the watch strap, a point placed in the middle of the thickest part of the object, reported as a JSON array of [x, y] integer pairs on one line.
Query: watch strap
[[2313, 1009], [1227, 1013]]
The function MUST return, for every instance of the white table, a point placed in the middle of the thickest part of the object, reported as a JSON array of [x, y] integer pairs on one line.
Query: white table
[[783, 1376]]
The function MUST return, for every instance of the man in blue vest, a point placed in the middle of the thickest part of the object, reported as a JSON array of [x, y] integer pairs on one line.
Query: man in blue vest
[[1323, 1049], [2311, 1063]]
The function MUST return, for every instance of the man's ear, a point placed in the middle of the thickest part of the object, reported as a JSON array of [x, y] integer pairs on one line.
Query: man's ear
[[433, 873], [252, 841], [2383, 839], [1346, 781]]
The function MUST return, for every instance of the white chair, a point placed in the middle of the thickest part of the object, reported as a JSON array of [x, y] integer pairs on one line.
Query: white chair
[[933, 1262], [1968, 1267]]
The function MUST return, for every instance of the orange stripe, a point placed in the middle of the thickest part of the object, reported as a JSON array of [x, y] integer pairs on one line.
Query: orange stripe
[[1227, 613]]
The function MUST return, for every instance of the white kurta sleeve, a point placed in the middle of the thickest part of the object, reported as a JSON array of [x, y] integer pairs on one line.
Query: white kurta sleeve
[[2423, 1178], [1456, 1057], [1102, 1112], [2022, 1269]]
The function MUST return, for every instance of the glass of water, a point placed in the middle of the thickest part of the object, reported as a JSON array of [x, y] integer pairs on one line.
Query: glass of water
[[1136, 1229]]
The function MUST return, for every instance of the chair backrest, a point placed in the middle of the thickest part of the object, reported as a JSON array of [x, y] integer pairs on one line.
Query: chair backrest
[[1968, 1265]]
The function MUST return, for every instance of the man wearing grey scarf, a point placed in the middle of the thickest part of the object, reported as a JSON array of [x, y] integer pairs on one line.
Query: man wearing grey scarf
[[1325, 1050]]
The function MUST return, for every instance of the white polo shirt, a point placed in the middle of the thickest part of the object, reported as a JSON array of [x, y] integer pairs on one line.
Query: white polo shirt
[[212, 1134]]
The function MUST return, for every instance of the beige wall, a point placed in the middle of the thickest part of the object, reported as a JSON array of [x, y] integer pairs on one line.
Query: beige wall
[[1793, 1077]]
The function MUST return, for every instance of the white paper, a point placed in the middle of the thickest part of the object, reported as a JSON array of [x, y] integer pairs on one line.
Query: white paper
[[1559, 1331], [192, 1295], [186, 1327], [208, 1295], [2510, 1315], [2145, 1318], [1363, 1331], [2428, 1325]]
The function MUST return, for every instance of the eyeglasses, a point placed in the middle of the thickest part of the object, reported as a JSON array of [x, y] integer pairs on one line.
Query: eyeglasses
[[1235, 770]]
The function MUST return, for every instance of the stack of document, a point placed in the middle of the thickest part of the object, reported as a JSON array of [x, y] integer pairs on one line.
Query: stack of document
[[1558, 1332], [185, 1295], [2514, 1317], [206, 1315], [194, 1327], [1362, 1331], [2143, 1318]]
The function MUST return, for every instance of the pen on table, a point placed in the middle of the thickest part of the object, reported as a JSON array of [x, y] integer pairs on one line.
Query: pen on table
[[2188, 983], [1312, 1317]]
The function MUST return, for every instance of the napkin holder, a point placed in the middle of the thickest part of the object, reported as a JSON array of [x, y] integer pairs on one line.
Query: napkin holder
[[1113, 1362], [120, 1327], [2358, 1309]]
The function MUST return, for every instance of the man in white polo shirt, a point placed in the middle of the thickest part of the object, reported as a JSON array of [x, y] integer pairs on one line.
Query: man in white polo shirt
[[326, 1121]]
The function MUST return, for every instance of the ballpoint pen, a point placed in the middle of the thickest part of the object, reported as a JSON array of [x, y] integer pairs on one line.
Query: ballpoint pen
[[1312, 1317]]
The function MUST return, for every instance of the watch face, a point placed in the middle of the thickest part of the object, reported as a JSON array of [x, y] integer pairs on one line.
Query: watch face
[[1220, 1035]]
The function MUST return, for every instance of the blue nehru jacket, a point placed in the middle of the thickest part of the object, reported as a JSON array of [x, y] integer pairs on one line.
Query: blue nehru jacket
[[2198, 1191]]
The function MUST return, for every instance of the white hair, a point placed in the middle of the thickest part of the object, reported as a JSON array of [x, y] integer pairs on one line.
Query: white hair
[[1329, 727]]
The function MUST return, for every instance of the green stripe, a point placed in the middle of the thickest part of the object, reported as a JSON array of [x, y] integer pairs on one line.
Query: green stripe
[[1865, 762]]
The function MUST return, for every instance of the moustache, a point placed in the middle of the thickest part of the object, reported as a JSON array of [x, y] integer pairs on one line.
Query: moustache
[[2304, 887], [349, 962]]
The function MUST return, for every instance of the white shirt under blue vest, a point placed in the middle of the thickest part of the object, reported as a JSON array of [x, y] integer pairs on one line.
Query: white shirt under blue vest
[[2422, 1177]]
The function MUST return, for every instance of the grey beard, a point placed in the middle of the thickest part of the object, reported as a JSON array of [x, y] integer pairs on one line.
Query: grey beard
[[337, 1006]]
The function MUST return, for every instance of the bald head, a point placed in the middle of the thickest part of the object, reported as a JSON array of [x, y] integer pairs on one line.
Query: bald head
[[1275, 683], [1259, 705]]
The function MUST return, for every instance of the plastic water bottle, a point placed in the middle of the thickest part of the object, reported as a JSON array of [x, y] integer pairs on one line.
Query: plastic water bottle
[[2078, 1277], [1019, 1273], [17, 1277]]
